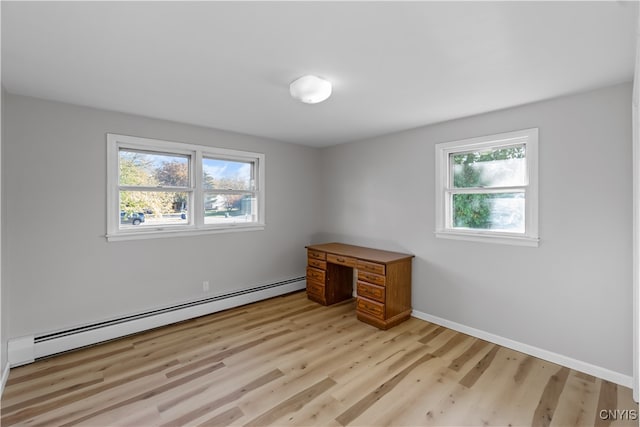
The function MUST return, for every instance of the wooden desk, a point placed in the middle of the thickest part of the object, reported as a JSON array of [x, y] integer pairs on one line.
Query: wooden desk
[[383, 283]]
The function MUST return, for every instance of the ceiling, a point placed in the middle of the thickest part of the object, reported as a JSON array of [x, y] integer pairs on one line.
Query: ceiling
[[394, 65]]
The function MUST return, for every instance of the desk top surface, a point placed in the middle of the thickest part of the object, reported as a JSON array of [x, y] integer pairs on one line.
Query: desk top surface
[[360, 252]]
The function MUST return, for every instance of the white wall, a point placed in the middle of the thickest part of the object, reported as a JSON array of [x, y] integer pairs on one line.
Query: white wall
[[573, 294], [60, 271], [4, 305]]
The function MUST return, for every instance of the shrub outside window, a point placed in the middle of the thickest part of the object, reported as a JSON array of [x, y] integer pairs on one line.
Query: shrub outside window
[[161, 188], [486, 188]]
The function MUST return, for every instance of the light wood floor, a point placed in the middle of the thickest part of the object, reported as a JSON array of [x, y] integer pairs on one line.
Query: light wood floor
[[289, 361]]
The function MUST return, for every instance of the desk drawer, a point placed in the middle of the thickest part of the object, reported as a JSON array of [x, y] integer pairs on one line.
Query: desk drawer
[[316, 263], [316, 254], [342, 260], [315, 274], [316, 289], [371, 291], [371, 308], [376, 279], [371, 267]]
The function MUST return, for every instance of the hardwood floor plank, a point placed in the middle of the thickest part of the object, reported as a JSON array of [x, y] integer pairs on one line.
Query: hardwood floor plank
[[147, 417], [579, 401], [607, 400], [217, 357], [356, 410], [70, 398], [549, 399], [192, 346], [23, 375], [477, 347], [226, 418], [278, 315], [522, 398], [80, 406], [139, 417], [319, 412], [472, 376], [149, 394], [523, 369], [427, 327], [463, 405], [219, 388], [302, 369], [457, 340], [374, 361], [306, 369], [58, 392], [218, 351], [585, 377], [292, 404], [504, 382], [628, 409], [194, 414], [433, 334], [372, 370], [181, 397], [423, 395]]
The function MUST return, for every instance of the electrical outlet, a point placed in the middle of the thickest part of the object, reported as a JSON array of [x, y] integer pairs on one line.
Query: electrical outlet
[[205, 286]]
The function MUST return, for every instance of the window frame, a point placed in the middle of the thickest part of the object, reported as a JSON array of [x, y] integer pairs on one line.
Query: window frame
[[196, 191], [444, 189]]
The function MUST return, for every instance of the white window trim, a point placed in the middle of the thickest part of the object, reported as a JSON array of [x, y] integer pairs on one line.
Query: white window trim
[[530, 237], [196, 224]]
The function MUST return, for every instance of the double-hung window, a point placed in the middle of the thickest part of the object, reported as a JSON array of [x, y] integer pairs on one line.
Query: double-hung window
[[162, 188], [487, 188]]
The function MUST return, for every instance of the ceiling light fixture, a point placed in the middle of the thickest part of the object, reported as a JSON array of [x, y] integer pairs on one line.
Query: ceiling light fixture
[[310, 89]]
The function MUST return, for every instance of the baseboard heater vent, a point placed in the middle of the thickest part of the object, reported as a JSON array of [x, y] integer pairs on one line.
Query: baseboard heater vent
[[28, 349]]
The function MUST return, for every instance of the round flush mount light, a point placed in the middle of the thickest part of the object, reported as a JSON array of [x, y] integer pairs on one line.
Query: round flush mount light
[[310, 89]]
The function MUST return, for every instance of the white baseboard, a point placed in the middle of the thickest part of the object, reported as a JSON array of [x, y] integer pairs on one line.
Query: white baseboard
[[25, 350], [578, 365], [5, 376], [20, 350]]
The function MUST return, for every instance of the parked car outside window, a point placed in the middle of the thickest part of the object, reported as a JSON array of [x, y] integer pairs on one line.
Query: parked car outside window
[[134, 218]]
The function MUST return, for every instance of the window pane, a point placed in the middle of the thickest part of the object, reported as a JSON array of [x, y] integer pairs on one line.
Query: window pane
[[152, 208], [153, 169], [229, 208], [492, 211], [220, 174], [498, 167]]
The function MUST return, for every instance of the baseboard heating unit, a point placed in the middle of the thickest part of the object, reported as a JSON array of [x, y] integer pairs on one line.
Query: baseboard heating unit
[[27, 349]]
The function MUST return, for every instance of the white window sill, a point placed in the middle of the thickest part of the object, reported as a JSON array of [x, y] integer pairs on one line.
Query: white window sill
[[157, 234], [504, 239]]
